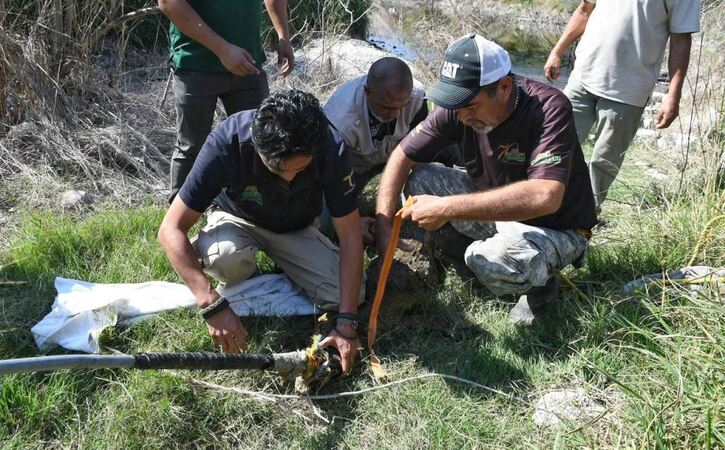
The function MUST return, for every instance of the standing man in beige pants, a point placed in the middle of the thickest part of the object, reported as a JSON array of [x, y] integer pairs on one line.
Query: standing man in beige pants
[[264, 173], [617, 63]]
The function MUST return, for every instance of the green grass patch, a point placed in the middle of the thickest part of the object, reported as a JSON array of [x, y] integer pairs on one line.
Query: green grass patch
[[654, 361]]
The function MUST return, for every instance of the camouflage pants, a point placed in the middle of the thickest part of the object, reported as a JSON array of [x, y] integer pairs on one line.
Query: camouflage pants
[[506, 257]]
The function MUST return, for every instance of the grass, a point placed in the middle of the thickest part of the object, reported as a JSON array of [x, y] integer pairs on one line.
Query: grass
[[654, 360]]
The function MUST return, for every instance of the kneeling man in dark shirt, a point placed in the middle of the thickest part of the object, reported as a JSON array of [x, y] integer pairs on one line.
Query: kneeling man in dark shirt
[[264, 173], [523, 207]]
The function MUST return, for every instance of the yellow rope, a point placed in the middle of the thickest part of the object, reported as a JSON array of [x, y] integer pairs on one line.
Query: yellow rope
[[314, 358], [571, 284], [704, 237]]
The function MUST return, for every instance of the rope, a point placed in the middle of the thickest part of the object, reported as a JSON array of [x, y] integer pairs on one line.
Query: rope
[[702, 240], [309, 398], [573, 286], [353, 393]]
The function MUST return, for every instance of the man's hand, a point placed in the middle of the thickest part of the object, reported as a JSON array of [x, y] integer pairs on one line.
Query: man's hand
[[428, 212], [574, 29], [367, 229], [285, 57], [237, 60], [346, 347], [227, 330], [667, 113], [551, 68]]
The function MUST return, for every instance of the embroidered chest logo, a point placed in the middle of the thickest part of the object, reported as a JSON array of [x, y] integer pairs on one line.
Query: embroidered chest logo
[[510, 153], [449, 69], [251, 194], [546, 158]]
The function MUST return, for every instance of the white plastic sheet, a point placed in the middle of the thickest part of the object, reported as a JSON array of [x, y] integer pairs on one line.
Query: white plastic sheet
[[82, 310]]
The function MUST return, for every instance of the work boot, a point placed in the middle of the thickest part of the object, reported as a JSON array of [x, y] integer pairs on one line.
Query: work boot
[[527, 309]]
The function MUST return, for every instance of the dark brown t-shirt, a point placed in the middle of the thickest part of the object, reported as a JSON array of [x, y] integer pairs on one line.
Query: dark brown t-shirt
[[537, 141]]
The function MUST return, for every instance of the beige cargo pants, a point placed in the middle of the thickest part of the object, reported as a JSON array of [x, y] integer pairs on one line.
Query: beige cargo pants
[[228, 244], [616, 126]]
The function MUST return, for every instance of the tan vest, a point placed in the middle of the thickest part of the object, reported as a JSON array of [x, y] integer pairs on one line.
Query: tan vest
[[347, 109]]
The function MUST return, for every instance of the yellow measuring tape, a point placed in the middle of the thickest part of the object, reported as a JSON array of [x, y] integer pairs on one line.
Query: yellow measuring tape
[[377, 368]]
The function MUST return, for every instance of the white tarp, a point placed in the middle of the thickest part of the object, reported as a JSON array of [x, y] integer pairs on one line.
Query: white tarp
[[82, 310]]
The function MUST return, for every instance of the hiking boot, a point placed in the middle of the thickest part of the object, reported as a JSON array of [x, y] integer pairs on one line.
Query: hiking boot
[[529, 306]]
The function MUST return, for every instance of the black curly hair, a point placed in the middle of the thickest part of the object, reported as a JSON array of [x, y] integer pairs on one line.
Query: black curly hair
[[288, 124]]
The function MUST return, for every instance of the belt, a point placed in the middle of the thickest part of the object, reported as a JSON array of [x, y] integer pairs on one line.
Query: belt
[[583, 232]]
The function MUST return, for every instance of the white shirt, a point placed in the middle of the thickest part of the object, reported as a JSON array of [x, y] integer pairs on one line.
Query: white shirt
[[621, 50]]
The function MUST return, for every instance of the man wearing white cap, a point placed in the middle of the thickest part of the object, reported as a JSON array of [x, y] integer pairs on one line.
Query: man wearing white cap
[[523, 207]]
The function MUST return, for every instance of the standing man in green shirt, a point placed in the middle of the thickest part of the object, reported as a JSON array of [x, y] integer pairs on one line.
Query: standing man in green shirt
[[216, 52]]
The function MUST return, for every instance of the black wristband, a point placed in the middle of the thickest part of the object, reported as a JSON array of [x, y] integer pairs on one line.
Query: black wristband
[[214, 308], [348, 316], [346, 319], [344, 336]]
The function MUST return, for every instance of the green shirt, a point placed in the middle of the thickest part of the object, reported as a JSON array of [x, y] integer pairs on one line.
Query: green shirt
[[237, 21]]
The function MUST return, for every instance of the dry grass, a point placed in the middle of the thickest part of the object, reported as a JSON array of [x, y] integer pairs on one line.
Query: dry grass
[[72, 119], [88, 117]]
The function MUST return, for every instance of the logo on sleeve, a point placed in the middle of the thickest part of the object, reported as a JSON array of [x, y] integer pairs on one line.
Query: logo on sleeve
[[349, 181], [251, 194], [546, 158], [511, 154]]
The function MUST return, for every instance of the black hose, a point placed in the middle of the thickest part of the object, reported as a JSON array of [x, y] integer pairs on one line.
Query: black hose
[[203, 361]]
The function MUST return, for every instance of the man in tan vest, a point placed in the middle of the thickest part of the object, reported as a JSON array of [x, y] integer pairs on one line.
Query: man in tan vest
[[374, 112]]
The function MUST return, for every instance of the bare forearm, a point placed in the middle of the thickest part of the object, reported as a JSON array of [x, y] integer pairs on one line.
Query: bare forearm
[[277, 10], [351, 266], [679, 59], [519, 201], [574, 28], [391, 183], [182, 257], [191, 24]]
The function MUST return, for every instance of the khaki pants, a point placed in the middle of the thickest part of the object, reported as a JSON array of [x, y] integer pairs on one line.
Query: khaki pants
[[616, 125], [228, 244]]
